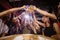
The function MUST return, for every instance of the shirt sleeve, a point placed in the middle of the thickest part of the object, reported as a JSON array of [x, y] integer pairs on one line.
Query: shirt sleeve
[[3, 27], [6, 29]]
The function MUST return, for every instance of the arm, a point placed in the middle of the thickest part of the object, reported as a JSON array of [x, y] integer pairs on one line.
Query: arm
[[46, 13], [56, 27], [11, 10], [57, 36]]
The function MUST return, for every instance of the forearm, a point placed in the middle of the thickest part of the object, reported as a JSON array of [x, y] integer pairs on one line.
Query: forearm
[[46, 13], [56, 27], [10, 10]]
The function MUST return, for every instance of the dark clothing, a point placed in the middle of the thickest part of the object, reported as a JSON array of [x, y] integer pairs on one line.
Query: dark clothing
[[49, 31]]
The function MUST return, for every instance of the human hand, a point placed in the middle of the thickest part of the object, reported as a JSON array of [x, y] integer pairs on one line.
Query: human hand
[[24, 6], [33, 7]]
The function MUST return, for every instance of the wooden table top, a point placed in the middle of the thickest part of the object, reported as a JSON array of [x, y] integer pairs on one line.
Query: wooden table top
[[26, 37]]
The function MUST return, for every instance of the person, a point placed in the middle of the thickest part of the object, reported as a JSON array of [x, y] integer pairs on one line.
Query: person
[[31, 9], [3, 27], [27, 19], [30, 19], [51, 27], [48, 28]]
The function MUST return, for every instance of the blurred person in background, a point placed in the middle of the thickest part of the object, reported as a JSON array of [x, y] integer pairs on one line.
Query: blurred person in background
[[3, 27], [32, 10]]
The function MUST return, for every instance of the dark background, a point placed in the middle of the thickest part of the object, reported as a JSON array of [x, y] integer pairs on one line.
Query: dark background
[[51, 5]]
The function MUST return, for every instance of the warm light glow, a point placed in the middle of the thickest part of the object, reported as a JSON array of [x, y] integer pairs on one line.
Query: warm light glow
[[41, 38], [26, 16], [18, 38]]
